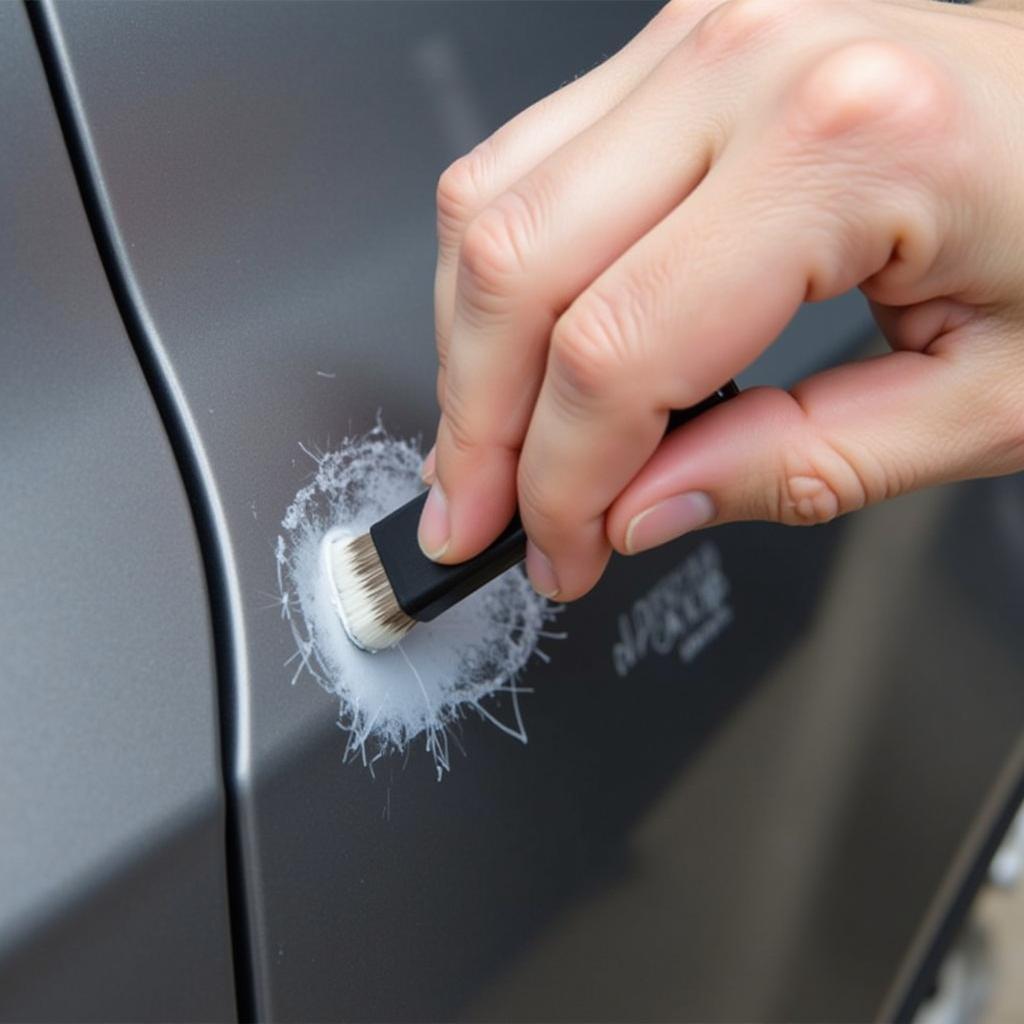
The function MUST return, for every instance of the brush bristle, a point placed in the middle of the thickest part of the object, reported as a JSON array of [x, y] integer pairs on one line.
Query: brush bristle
[[363, 595]]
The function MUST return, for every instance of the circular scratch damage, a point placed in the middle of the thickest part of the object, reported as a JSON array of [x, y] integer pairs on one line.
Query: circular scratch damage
[[469, 659]]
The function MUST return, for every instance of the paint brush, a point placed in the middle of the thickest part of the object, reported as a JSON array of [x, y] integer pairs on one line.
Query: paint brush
[[382, 584]]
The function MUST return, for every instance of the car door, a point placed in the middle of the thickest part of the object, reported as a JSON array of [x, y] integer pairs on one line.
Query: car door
[[113, 882], [767, 814]]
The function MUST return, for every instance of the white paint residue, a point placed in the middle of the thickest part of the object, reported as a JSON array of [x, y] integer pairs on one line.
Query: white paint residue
[[470, 658]]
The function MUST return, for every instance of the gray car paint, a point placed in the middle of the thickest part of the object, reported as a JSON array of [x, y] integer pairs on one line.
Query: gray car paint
[[113, 901], [761, 834]]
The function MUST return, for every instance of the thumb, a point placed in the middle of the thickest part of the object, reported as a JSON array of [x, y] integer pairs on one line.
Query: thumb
[[837, 441]]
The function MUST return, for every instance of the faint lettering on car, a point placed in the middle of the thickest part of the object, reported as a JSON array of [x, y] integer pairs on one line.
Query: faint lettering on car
[[682, 613]]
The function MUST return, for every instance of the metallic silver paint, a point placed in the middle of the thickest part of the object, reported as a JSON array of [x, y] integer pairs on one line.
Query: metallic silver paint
[[112, 876], [760, 834]]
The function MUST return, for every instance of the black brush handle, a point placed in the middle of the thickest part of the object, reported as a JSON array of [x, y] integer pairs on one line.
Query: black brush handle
[[424, 588]]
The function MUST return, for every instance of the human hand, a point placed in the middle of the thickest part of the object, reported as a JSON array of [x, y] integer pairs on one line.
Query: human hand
[[630, 242]]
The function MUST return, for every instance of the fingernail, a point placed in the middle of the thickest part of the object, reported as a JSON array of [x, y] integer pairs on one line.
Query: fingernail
[[669, 519], [435, 528], [541, 571], [427, 469]]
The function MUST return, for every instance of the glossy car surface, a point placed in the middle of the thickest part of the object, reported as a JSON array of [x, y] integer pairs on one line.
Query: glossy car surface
[[219, 253]]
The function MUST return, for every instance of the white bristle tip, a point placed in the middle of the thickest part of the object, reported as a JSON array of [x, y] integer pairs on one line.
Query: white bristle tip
[[361, 593]]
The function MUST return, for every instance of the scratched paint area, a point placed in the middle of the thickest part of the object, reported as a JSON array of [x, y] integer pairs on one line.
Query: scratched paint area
[[468, 662]]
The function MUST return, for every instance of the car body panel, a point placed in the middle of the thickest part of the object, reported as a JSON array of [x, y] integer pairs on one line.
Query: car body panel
[[759, 832], [113, 903]]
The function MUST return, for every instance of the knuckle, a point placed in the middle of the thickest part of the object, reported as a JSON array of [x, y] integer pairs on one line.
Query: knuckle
[[456, 436], [822, 478], [872, 82], [807, 499], [461, 190], [538, 504], [591, 345], [738, 24], [498, 241]]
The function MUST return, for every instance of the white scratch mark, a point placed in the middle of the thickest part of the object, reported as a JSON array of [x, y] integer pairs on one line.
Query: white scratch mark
[[469, 660]]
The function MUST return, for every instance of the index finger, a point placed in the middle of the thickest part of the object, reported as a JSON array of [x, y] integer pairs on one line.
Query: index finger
[[518, 146], [691, 304], [788, 213]]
